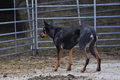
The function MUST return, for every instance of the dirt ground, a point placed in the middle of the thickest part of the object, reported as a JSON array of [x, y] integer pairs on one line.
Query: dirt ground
[[40, 68]]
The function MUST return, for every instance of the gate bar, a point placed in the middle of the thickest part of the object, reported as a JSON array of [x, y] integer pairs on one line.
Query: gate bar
[[55, 2], [16, 39], [107, 4], [79, 17], [16, 32], [15, 9], [15, 53], [10, 22], [16, 46]]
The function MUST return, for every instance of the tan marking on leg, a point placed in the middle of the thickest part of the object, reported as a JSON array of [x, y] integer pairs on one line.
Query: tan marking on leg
[[98, 59], [58, 60], [70, 60]]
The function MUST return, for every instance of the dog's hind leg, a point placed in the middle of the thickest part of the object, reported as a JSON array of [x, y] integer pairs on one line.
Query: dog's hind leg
[[94, 52], [98, 59], [70, 60], [86, 59], [85, 39], [58, 59]]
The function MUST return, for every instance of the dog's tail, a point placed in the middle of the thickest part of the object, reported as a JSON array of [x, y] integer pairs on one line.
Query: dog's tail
[[88, 37], [92, 45]]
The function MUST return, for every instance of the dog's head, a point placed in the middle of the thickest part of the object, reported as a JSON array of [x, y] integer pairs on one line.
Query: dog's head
[[48, 30]]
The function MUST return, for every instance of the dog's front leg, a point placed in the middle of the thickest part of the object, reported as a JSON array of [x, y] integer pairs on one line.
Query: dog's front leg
[[70, 60], [58, 60]]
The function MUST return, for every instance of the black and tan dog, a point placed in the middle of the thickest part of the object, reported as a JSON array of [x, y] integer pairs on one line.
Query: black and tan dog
[[68, 37]]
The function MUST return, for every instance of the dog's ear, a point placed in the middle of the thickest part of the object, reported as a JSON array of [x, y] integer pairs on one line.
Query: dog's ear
[[45, 23], [52, 23]]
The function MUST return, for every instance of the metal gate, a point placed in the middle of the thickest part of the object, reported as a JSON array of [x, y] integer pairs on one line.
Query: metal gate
[[10, 42], [54, 8], [64, 13]]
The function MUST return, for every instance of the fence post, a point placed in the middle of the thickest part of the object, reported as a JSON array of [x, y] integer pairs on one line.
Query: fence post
[[33, 25], [36, 29], [16, 49], [78, 10], [95, 15]]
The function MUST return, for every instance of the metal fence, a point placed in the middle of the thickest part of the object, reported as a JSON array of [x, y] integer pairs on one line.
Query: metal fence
[[64, 12], [78, 17], [10, 46]]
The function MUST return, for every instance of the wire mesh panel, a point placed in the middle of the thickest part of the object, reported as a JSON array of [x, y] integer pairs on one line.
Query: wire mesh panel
[[75, 12], [15, 36]]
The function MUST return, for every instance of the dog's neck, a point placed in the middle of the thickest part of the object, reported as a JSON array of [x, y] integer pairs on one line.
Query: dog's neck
[[54, 31]]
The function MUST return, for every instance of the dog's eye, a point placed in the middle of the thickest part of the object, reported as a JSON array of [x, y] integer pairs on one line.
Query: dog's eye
[[44, 31]]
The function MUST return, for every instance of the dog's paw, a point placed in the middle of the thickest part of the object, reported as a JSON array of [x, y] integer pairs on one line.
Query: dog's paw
[[54, 69], [68, 69], [83, 69], [98, 69]]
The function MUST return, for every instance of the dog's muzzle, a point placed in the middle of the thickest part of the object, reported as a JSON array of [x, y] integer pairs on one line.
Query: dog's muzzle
[[43, 35]]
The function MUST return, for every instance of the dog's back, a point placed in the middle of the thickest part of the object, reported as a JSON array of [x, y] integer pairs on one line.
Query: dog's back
[[70, 36]]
